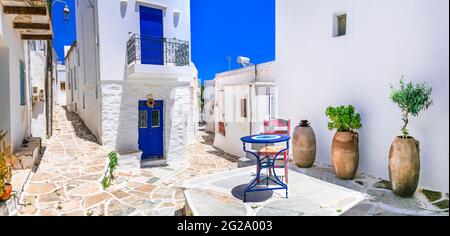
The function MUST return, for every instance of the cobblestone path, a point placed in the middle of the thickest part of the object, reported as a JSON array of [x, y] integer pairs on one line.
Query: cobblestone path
[[67, 181]]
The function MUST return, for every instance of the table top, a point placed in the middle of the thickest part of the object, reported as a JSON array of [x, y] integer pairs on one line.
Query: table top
[[266, 138]]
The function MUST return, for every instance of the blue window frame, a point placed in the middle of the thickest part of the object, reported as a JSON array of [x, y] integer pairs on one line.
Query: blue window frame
[[23, 99]]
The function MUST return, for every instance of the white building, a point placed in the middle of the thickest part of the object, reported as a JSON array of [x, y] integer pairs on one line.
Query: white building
[[209, 105], [61, 84], [128, 53], [36, 54], [320, 64], [245, 98], [71, 64], [16, 26]]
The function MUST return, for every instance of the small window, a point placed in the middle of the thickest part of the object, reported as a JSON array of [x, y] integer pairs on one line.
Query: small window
[[63, 86], [155, 119], [244, 108], [23, 99], [35, 90], [339, 24], [143, 119]]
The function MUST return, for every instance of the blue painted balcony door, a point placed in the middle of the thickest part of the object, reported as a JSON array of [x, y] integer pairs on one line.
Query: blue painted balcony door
[[152, 34], [151, 130]]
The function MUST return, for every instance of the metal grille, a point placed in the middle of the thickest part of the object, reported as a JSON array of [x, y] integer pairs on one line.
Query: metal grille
[[174, 51]]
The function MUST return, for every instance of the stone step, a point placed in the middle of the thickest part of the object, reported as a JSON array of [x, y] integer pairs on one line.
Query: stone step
[[27, 155], [246, 162]]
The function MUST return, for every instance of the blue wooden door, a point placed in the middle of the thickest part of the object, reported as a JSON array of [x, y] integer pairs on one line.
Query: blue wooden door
[[152, 33], [151, 130]]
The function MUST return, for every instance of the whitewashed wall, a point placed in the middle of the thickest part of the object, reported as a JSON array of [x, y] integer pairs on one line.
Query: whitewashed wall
[[208, 112], [87, 67], [16, 120], [60, 94], [111, 98], [385, 40], [37, 63], [235, 85]]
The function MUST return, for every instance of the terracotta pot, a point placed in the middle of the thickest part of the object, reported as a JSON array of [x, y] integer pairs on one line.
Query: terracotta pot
[[7, 192], [345, 155], [304, 146], [404, 166]]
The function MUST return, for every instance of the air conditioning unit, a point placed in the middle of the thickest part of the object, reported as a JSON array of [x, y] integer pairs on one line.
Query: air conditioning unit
[[42, 95], [35, 91]]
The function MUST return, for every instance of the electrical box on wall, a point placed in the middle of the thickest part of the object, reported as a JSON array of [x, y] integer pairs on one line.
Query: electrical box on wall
[[35, 91], [35, 99], [42, 95]]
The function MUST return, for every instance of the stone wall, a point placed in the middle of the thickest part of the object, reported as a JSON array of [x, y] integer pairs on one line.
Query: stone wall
[[120, 115]]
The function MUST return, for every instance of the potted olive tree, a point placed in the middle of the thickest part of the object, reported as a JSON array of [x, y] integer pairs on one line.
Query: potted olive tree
[[345, 149], [5, 172], [404, 155]]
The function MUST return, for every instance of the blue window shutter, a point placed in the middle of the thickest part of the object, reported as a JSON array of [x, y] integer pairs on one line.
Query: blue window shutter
[[23, 100]]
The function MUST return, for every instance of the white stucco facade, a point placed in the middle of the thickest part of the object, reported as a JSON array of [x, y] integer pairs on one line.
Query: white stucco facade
[[36, 54], [61, 85], [209, 105], [14, 116], [258, 89], [110, 88], [384, 40]]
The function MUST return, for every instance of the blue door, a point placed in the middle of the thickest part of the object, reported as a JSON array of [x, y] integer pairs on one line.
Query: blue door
[[152, 33], [151, 130]]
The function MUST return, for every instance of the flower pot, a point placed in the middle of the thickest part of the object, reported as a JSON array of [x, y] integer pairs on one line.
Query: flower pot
[[7, 192], [304, 146], [404, 166], [345, 155]]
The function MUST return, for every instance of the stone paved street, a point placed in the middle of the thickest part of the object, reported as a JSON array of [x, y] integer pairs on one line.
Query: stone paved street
[[68, 178], [67, 182]]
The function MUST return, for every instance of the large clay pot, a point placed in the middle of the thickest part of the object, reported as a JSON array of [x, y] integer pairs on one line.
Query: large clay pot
[[7, 193], [304, 146], [404, 166], [345, 155]]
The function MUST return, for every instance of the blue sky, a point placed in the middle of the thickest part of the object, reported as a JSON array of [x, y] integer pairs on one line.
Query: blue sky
[[64, 31], [220, 28]]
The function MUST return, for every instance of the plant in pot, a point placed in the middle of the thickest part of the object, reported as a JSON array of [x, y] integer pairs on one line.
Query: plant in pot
[[5, 172], [404, 154], [345, 149], [304, 145]]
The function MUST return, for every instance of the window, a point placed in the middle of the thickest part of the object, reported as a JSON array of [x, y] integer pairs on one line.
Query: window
[[155, 119], [62, 86], [23, 99], [143, 119], [244, 108], [339, 24], [84, 101], [35, 90]]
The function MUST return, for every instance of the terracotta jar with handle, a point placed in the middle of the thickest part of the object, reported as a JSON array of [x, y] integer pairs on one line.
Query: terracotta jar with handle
[[304, 145], [345, 155]]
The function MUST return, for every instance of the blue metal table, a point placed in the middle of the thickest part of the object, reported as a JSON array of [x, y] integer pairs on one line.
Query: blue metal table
[[265, 162]]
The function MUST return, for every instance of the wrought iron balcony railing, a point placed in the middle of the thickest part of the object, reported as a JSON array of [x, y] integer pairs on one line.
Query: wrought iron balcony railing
[[143, 49]]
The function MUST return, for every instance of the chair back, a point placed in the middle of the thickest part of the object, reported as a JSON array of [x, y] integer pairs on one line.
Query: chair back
[[278, 126]]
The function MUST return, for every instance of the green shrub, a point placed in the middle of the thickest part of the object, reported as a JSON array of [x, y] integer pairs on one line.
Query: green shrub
[[112, 166], [412, 99], [343, 119]]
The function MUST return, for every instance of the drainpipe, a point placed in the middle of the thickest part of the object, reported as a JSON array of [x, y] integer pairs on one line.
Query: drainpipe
[[251, 100]]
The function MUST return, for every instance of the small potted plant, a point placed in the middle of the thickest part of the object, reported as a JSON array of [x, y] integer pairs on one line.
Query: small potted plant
[[5, 172], [345, 149], [404, 154], [304, 145]]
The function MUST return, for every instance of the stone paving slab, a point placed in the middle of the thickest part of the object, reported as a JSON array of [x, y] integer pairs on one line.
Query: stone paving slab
[[68, 179], [221, 195]]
